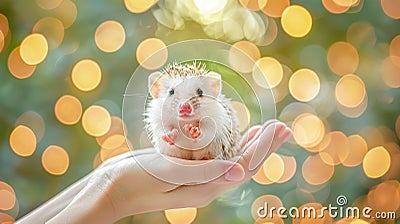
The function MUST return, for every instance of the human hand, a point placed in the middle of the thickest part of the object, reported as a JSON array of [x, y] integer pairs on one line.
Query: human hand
[[145, 181]]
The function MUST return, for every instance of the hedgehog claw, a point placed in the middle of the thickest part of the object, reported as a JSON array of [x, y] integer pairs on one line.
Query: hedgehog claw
[[193, 130]]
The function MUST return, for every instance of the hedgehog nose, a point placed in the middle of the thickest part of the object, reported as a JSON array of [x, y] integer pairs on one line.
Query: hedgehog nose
[[185, 109]]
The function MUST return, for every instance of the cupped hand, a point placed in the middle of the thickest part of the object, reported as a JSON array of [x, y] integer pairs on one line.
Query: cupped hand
[[144, 180]]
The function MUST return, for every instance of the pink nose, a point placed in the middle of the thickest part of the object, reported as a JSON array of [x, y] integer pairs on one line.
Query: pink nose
[[185, 109]]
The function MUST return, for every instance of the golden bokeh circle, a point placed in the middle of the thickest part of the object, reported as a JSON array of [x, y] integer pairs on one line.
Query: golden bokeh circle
[[337, 150], [332, 7], [48, 4], [391, 8], [267, 72], [296, 21], [96, 120], [308, 130], [55, 160], [34, 49], [358, 149], [86, 75], [7, 195], [304, 85], [275, 9], [274, 167], [342, 58], [152, 53], [394, 47], [23, 141], [181, 215], [17, 67], [350, 91], [2, 37], [109, 36], [376, 162], [34, 121], [52, 28], [390, 71], [315, 171], [290, 168], [242, 56], [139, 6], [68, 109]]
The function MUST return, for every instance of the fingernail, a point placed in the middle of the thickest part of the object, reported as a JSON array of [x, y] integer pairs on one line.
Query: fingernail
[[235, 174]]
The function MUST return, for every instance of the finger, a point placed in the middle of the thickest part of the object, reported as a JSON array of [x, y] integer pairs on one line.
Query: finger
[[260, 148], [249, 135]]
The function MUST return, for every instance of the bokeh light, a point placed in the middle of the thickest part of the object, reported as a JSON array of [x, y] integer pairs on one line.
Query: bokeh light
[[48, 4], [7, 196], [267, 72], [151, 53], [243, 55], [210, 6], [304, 85], [315, 171], [1, 41], [308, 130], [243, 114], [346, 3], [391, 8], [337, 149], [181, 215], [289, 168], [66, 12], [17, 67], [34, 121], [68, 109], [34, 49], [296, 21], [4, 28], [275, 8], [350, 91], [342, 58], [357, 149], [96, 120], [397, 127], [253, 5], [55, 160], [274, 167], [394, 48], [109, 36], [332, 7], [6, 219], [139, 6], [52, 28], [86, 75], [23, 141], [114, 136], [390, 71], [376, 162]]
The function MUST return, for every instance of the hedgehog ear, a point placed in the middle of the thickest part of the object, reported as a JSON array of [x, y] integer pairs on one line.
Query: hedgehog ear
[[214, 83], [154, 84]]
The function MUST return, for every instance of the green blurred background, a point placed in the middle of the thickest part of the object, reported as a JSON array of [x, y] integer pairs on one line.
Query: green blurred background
[[370, 28]]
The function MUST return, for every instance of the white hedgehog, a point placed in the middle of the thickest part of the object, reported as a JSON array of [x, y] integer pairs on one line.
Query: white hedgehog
[[188, 116]]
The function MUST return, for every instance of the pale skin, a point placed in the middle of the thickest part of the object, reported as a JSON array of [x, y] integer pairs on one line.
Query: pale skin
[[120, 187]]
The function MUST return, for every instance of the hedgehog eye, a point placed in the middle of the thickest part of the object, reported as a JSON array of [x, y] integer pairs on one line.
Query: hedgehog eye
[[171, 92], [199, 92]]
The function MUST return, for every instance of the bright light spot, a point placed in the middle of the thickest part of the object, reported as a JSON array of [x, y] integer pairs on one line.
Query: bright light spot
[[242, 56], [274, 167], [139, 6], [391, 71], [350, 91], [260, 177], [34, 49], [181, 215], [1, 41], [253, 5], [4, 25], [152, 53], [34, 121], [86, 75], [332, 7], [96, 120], [68, 110], [210, 6], [290, 168], [270, 34], [357, 149], [23, 141], [394, 48], [17, 67], [315, 171], [308, 130], [275, 8], [376, 162], [391, 8], [355, 111], [386, 196], [296, 21], [242, 113], [346, 3], [342, 58], [6, 219], [337, 150], [304, 85], [52, 29], [397, 127], [66, 12], [7, 196], [48, 4], [271, 200], [267, 72], [55, 160], [109, 36]]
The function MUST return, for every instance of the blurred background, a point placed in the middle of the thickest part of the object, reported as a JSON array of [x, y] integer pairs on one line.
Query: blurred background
[[333, 67]]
